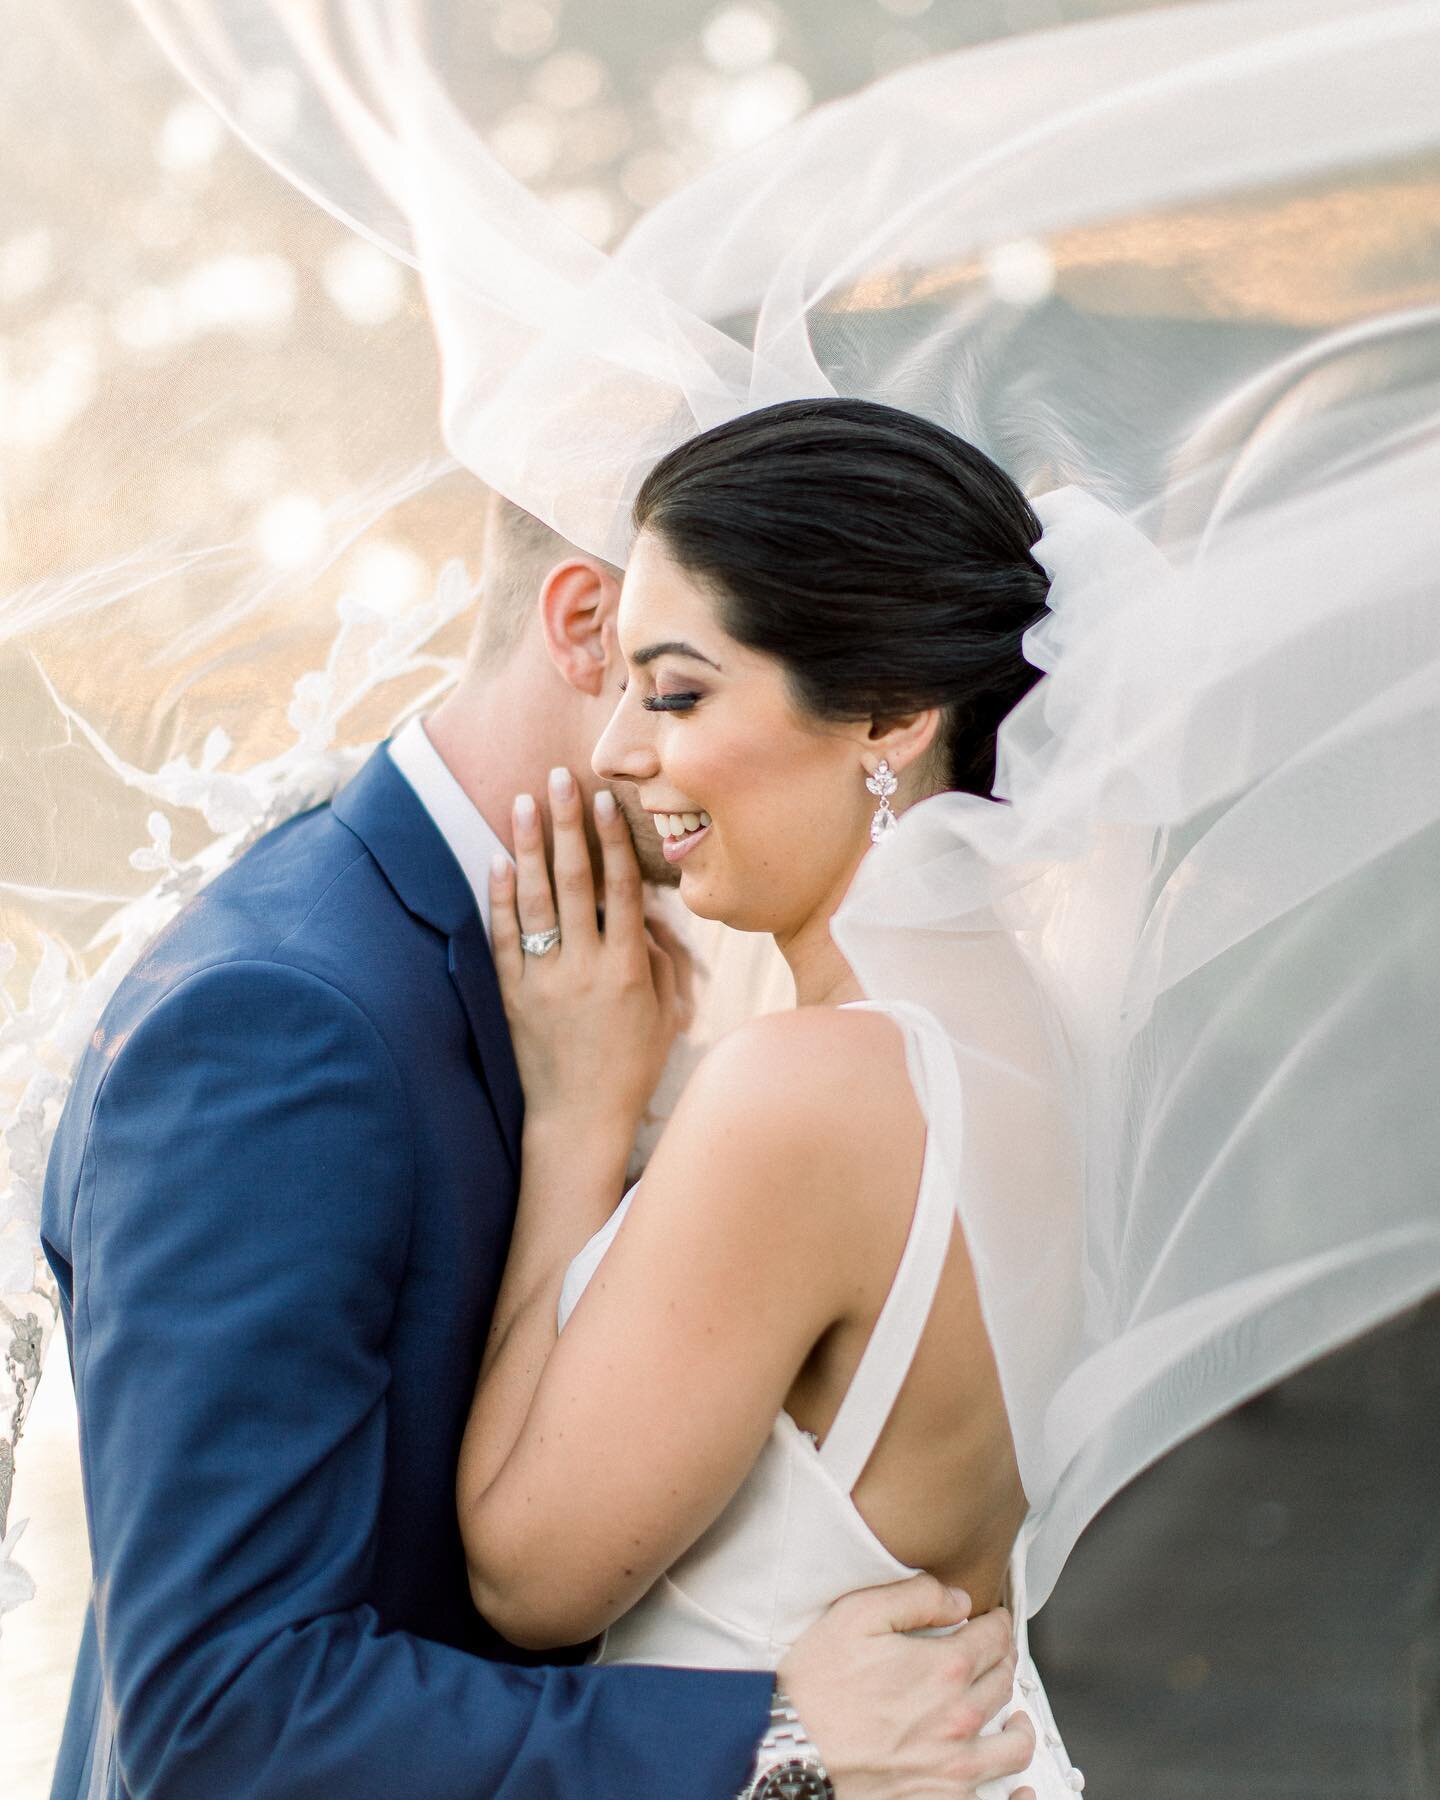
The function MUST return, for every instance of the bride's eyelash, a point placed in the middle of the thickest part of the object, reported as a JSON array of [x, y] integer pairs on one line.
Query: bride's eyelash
[[669, 702]]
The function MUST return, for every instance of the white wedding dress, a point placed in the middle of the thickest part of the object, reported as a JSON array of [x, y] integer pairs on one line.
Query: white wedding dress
[[792, 1540]]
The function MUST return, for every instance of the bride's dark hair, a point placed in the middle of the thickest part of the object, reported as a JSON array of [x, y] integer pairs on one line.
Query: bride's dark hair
[[883, 560]]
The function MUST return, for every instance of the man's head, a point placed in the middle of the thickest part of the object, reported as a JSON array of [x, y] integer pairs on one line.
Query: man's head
[[542, 676], [520, 551]]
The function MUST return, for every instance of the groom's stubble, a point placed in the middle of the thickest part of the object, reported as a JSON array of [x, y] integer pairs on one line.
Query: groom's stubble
[[654, 870]]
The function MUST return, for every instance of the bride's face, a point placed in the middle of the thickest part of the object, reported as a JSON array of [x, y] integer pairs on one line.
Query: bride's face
[[762, 810]]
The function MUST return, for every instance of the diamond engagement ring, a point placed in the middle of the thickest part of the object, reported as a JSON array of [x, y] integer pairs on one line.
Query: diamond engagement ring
[[539, 943]]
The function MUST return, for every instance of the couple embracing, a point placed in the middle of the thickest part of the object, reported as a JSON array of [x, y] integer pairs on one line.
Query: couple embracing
[[383, 1401]]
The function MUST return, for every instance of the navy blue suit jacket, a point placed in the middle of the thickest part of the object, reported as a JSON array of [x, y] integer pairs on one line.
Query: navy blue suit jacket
[[277, 1207]]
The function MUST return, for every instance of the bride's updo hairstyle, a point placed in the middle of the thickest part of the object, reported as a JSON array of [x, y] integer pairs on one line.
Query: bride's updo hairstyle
[[883, 561]]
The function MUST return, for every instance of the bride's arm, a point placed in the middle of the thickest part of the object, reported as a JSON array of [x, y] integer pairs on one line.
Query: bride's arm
[[591, 1023], [657, 1397], [590, 1464]]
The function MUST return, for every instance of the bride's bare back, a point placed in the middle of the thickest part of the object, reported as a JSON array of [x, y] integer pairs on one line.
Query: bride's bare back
[[941, 1491]]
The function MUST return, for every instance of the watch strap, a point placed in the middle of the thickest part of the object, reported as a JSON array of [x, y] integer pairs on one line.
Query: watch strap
[[786, 1742]]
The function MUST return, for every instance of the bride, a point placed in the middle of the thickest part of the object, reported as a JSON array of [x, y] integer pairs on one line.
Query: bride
[[765, 1379]]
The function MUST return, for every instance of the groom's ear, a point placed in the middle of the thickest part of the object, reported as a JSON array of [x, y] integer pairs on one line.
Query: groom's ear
[[578, 602]]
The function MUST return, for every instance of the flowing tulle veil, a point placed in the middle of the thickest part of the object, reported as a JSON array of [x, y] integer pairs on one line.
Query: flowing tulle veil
[[1181, 261]]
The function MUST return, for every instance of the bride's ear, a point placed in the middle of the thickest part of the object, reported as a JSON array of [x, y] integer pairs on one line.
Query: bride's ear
[[578, 602], [904, 742]]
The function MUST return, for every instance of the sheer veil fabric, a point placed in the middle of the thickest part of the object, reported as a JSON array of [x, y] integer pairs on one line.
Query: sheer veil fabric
[[1176, 270]]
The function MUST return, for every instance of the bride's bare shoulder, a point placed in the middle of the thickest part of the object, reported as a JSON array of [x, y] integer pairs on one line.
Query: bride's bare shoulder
[[836, 1035], [797, 1143], [825, 1084]]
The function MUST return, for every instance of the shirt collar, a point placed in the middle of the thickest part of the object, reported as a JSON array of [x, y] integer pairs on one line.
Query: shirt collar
[[459, 821]]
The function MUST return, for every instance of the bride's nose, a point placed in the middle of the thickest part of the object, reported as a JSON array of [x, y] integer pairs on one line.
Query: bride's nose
[[626, 749]]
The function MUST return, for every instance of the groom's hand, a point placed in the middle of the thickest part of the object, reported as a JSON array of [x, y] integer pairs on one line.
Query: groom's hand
[[896, 1716]]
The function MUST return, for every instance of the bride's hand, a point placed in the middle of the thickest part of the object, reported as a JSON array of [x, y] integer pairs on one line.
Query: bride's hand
[[592, 1019]]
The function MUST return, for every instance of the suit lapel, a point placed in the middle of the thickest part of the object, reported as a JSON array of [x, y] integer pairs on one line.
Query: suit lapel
[[472, 969], [385, 813]]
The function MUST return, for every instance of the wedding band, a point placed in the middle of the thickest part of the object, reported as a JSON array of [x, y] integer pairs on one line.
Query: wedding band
[[539, 943]]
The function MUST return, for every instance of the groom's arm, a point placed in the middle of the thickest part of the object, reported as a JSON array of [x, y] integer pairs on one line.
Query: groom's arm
[[241, 1234]]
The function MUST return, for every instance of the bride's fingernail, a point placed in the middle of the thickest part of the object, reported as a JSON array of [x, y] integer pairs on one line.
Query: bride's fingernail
[[604, 806], [500, 866], [562, 783], [524, 809]]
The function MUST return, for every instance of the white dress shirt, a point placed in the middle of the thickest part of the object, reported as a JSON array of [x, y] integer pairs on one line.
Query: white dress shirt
[[459, 821]]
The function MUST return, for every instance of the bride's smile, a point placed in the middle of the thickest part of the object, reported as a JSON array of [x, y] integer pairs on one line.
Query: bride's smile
[[681, 832]]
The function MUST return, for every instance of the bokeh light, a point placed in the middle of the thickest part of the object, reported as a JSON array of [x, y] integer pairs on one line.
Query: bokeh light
[[191, 136], [569, 79], [290, 531], [740, 37], [524, 29], [367, 286]]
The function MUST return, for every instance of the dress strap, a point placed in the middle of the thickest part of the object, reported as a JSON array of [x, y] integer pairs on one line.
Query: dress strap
[[877, 1381]]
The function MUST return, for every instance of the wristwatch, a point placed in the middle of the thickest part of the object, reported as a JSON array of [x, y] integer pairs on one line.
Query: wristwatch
[[787, 1764]]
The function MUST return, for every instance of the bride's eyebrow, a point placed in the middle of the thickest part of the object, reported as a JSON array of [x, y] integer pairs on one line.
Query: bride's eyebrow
[[671, 648]]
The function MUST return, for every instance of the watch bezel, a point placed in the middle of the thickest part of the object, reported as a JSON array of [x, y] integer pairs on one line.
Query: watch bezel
[[819, 1787]]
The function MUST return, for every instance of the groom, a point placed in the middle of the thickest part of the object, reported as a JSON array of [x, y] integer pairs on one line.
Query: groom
[[277, 1208]]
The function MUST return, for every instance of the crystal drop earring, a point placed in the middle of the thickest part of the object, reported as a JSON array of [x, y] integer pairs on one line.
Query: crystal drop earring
[[882, 784]]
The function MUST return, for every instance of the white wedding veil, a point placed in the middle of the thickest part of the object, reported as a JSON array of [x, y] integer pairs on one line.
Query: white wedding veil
[[1180, 258]]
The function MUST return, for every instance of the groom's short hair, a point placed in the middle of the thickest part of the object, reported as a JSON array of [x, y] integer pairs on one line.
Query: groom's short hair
[[520, 551]]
